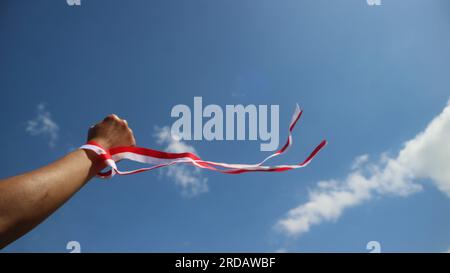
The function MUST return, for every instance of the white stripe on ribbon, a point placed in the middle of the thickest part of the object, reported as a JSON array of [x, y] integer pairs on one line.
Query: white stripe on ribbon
[[158, 159]]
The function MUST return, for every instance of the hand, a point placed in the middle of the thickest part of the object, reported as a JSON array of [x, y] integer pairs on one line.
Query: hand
[[112, 132]]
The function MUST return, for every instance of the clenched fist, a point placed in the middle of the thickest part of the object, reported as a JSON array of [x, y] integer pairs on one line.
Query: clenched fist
[[112, 132]]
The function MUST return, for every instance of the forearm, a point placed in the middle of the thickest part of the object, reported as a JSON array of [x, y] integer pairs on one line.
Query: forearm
[[28, 199]]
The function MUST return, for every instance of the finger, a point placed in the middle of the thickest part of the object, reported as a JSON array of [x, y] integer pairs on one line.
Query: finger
[[123, 123], [108, 118], [133, 140], [111, 117]]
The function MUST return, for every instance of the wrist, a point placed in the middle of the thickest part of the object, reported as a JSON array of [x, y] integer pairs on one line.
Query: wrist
[[97, 162], [96, 153], [100, 157]]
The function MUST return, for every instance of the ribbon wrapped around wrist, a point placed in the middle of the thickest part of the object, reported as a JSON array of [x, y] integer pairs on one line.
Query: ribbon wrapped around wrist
[[158, 159]]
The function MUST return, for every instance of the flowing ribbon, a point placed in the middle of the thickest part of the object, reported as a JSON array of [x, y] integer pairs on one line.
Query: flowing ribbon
[[158, 159]]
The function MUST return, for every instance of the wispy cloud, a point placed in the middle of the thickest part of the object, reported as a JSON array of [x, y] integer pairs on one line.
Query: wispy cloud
[[426, 156], [42, 124], [187, 177]]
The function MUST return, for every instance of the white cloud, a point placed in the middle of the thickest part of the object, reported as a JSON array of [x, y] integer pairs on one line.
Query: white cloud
[[44, 125], [187, 177], [425, 157], [359, 161]]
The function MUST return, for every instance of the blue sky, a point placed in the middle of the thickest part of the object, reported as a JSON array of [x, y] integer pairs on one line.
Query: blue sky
[[368, 77]]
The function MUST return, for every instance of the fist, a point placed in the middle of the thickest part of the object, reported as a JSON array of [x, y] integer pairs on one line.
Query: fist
[[112, 132]]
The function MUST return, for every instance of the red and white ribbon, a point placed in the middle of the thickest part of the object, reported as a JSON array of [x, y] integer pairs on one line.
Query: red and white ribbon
[[158, 159]]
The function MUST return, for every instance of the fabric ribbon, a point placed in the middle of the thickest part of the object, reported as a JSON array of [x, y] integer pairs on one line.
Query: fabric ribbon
[[158, 159]]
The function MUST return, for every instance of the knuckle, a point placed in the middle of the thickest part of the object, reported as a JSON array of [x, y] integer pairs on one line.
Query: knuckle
[[113, 117], [109, 117]]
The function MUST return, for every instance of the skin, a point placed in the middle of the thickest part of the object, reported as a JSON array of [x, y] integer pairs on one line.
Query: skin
[[28, 199]]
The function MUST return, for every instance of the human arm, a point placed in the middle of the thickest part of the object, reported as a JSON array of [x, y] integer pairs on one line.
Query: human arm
[[28, 199]]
